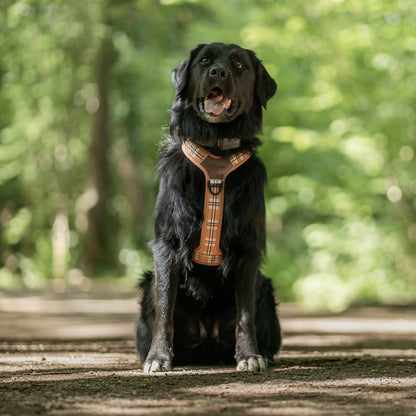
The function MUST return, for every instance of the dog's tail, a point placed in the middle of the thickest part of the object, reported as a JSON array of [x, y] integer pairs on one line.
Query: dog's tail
[[144, 280]]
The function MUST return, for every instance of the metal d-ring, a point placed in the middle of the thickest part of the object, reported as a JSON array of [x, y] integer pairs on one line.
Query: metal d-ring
[[215, 186]]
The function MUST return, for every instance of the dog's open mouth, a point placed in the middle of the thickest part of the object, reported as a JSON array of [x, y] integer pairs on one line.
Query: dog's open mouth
[[215, 102]]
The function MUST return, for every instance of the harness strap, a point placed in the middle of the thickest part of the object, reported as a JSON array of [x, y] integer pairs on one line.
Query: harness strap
[[216, 169]]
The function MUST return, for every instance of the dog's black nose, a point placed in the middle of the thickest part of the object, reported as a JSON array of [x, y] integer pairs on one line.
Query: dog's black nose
[[218, 72]]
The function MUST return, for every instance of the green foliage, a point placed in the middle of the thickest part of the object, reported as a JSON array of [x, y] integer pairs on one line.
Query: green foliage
[[339, 137]]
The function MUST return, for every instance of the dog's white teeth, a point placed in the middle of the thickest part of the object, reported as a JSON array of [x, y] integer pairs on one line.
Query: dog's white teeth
[[227, 103]]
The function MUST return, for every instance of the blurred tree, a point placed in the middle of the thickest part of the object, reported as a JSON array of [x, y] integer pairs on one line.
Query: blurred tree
[[44, 64], [99, 245], [79, 131]]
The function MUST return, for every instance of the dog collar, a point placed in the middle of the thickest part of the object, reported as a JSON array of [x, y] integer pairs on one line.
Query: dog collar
[[215, 169], [224, 144], [228, 144]]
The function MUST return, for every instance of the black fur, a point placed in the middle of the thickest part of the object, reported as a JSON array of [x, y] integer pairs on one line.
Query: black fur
[[204, 314]]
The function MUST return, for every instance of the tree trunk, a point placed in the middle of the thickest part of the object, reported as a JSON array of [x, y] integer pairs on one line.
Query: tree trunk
[[99, 247]]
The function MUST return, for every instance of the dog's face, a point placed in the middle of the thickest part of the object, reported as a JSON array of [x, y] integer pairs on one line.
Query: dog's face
[[222, 82]]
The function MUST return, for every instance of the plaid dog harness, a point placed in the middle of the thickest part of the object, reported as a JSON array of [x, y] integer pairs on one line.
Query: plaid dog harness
[[216, 169]]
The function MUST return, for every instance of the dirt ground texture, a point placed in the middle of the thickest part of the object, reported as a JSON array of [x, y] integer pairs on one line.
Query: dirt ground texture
[[75, 355]]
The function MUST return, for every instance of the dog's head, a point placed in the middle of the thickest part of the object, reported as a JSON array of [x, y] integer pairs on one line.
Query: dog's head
[[222, 82]]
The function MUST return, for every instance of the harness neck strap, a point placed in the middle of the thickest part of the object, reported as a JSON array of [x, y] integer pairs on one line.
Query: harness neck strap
[[216, 169]]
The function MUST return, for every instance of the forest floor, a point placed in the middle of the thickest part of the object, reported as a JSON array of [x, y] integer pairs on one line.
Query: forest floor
[[74, 354]]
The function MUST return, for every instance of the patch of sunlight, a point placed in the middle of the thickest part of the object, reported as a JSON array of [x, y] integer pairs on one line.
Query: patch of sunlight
[[366, 151], [323, 291], [356, 325], [254, 35], [301, 139], [38, 304]]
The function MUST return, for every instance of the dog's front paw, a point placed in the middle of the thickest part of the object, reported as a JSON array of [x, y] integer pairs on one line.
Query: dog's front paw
[[255, 363], [157, 365]]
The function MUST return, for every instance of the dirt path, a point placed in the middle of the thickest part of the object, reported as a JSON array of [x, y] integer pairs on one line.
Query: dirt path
[[75, 356]]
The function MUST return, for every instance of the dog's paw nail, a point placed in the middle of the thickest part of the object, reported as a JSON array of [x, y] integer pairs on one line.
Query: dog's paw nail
[[262, 364], [252, 364], [242, 365], [146, 368], [156, 366], [151, 367]]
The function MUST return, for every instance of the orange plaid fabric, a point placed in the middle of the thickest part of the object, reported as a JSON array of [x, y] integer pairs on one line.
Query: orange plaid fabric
[[216, 169]]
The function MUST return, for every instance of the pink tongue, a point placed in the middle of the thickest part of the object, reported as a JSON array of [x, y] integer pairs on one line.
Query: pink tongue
[[216, 105]]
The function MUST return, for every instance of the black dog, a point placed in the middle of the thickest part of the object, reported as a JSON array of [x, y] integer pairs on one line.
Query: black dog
[[193, 311]]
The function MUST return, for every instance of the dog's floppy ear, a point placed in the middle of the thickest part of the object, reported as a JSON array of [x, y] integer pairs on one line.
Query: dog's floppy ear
[[180, 75], [265, 85]]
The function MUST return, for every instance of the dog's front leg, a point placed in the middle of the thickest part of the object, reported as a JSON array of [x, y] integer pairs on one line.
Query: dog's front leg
[[160, 354], [246, 351]]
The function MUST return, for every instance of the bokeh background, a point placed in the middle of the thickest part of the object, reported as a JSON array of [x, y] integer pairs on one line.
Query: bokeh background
[[85, 92]]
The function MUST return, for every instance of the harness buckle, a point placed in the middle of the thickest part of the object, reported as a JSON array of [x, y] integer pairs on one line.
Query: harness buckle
[[215, 186]]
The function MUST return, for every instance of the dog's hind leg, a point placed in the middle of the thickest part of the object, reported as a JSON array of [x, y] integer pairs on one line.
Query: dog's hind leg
[[267, 322], [147, 316], [144, 337]]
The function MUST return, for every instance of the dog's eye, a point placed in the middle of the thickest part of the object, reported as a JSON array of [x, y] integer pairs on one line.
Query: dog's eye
[[239, 64], [204, 60]]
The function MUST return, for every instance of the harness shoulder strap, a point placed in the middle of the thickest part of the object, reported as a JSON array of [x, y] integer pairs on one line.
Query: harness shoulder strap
[[215, 169]]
